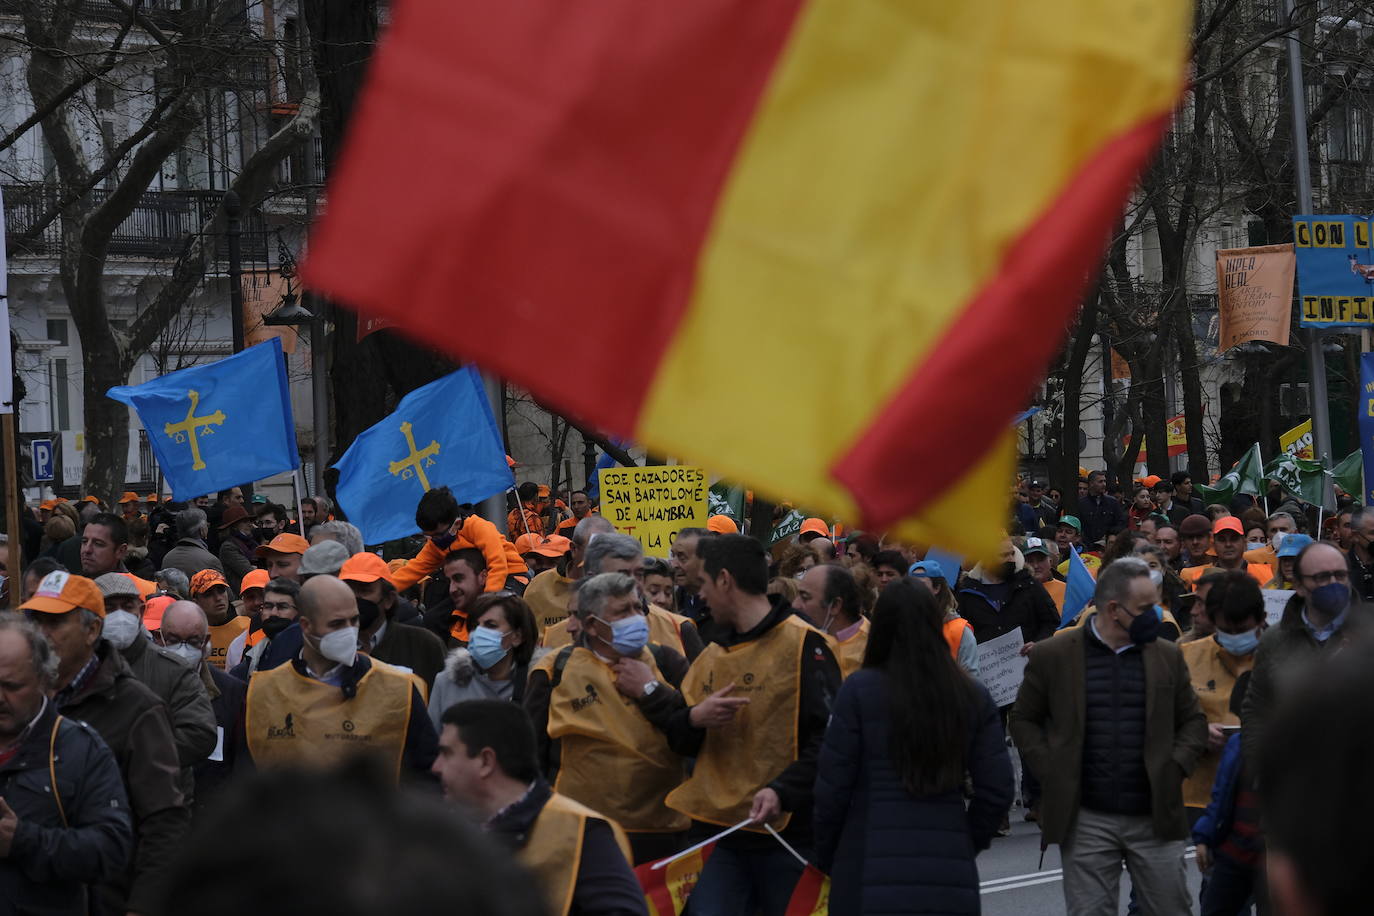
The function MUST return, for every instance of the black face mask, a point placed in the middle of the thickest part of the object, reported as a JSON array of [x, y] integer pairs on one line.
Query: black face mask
[[368, 612], [273, 626], [265, 534], [1008, 570]]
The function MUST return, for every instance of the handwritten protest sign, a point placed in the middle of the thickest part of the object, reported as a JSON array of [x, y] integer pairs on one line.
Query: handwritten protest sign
[[1001, 666], [653, 504], [1275, 600]]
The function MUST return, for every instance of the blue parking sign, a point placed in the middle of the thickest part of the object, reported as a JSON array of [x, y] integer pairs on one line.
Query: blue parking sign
[[42, 452]]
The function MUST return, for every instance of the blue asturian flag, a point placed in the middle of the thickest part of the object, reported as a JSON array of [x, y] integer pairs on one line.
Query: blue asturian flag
[[216, 426], [1078, 589], [1366, 425], [443, 434]]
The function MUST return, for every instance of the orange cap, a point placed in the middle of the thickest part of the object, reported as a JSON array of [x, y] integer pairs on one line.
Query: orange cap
[[153, 610], [152, 498], [60, 592], [815, 526], [543, 492], [129, 497], [89, 499], [1151, 480], [284, 543], [205, 580], [1228, 523], [365, 567], [722, 524], [527, 542], [553, 546], [257, 578], [48, 504]]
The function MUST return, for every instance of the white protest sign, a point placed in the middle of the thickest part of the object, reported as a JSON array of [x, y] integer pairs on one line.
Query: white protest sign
[[1001, 666], [1275, 600]]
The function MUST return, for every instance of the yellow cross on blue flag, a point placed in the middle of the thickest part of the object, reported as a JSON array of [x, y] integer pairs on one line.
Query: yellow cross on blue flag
[[443, 434], [215, 426]]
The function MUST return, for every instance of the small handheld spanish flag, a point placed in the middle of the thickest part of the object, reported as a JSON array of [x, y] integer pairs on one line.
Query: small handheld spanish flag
[[896, 206], [666, 887]]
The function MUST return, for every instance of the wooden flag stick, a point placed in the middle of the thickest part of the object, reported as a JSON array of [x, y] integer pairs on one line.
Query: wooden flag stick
[[12, 496]]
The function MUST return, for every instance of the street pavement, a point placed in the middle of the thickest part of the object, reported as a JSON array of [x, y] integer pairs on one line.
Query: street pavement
[[1016, 884]]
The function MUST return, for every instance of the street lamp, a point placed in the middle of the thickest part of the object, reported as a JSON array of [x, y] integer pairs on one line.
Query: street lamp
[[292, 314]]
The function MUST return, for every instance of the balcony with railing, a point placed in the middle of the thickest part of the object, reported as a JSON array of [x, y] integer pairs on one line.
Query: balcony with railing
[[160, 225], [163, 13]]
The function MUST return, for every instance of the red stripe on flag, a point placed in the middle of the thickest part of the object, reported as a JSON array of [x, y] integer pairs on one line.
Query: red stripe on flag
[[997, 349], [525, 174], [654, 883]]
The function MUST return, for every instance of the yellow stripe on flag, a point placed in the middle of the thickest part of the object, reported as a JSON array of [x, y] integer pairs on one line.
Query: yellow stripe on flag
[[898, 153]]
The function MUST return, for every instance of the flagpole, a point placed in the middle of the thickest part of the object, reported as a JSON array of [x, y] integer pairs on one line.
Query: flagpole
[[663, 863], [11, 507], [786, 845], [300, 508]]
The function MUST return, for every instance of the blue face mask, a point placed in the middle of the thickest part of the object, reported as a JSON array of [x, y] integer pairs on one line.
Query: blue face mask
[[485, 647], [629, 635], [1330, 599], [1239, 644]]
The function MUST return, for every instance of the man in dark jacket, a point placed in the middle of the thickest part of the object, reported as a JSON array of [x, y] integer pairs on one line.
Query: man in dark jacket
[[95, 686], [1108, 720], [1320, 620], [236, 545], [997, 598], [386, 640], [191, 555], [1100, 514], [762, 768], [193, 723], [64, 818], [185, 632]]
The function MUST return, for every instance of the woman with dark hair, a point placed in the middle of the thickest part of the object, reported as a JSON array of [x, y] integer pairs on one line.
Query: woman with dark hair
[[495, 663], [892, 830]]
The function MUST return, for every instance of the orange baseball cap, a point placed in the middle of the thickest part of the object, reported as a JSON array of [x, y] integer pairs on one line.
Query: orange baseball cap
[[257, 578], [1228, 523], [365, 567], [553, 546], [527, 542], [89, 499], [205, 580], [152, 498], [815, 526], [129, 497], [153, 609], [48, 504], [60, 592], [284, 543], [543, 492], [722, 524]]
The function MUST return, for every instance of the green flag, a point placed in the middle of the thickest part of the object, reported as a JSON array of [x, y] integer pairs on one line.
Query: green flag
[[1298, 475], [789, 525], [726, 499], [1349, 475], [1247, 477]]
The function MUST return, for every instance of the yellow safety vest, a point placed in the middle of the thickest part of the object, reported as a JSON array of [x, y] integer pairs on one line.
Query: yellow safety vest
[[295, 719], [850, 652], [665, 629], [738, 759], [1213, 672], [554, 849], [611, 756], [222, 635], [547, 596]]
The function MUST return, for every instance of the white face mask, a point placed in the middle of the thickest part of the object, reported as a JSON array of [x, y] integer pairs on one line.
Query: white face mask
[[1276, 540], [340, 646], [121, 629], [189, 654], [1157, 577]]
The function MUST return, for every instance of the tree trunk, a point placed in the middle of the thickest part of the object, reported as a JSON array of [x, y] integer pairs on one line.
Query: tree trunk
[[1191, 377], [1063, 457]]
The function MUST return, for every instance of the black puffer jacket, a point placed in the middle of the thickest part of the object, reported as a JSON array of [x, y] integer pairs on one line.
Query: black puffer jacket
[[1027, 606], [1114, 776]]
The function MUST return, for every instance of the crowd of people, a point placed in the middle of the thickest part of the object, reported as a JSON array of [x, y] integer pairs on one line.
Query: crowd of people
[[594, 710]]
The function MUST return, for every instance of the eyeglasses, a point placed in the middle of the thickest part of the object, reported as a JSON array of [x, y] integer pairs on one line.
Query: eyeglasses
[[1325, 578], [276, 606], [195, 642]]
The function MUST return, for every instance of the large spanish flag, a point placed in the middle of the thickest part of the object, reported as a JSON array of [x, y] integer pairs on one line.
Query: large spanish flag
[[824, 247]]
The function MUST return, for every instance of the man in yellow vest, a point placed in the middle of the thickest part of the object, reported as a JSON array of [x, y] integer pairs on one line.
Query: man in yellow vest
[[594, 741], [1228, 540], [614, 552], [828, 597], [756, 705], [547, 594], [579, 858], [330, 702]]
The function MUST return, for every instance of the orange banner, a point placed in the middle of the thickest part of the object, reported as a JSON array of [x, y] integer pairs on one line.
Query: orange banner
[[1254, 294]]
